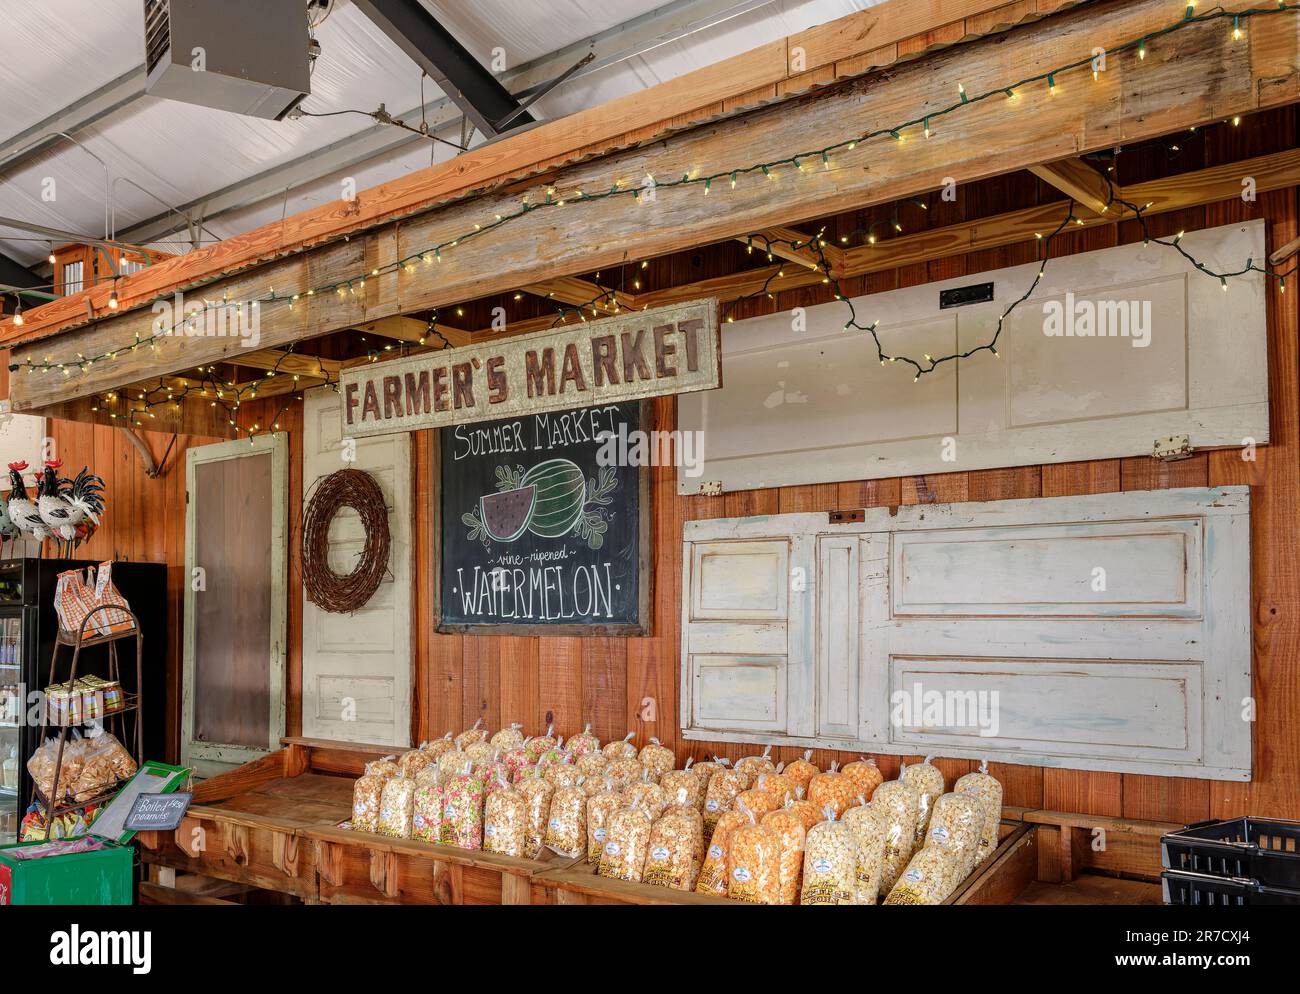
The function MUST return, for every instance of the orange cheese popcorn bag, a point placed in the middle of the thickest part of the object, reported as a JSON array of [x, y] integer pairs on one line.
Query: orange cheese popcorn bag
[[537, 794], [801, 771], [832, 788], [713, 874], [566, 826], [805, 811], [752, 766], [600, 808], [471, 735], [673, 859], [584, 742], [955, 824], [984, 787], [829, 863], [508, 738], [790, 835], [777, 785], [754, 873], [866, 822], [505, 822], [757, 799], [866, 776], [928, 781], [657, 758], [367, 792], [621, 749], [627, 840], [706, 769], [900, 807]]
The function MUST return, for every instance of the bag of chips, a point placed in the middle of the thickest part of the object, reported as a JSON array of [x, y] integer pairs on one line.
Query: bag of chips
[[986, 788], [627, 839], [801, 771], [426, 819], [790, 835], [508, 738], [600, 808], [673, 859], [396, 808], [714, 872], [866, 776], [754, 873], [928, 781], [505, 823], [621, 749], [367, 793], [657, 758], [471, 735], [462, 810], [832, 788], [537, 794], [566, 826], [437, 747], [955, 824], [830, 862], [900, 807], [931, 875], [584, 742], [683, 788], [866, 823]]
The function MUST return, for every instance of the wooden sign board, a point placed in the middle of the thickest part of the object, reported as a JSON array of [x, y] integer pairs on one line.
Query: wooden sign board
[[545, 524], [640, 354]]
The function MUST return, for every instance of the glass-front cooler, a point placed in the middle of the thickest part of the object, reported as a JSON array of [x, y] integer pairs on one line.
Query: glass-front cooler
[[11, 743]]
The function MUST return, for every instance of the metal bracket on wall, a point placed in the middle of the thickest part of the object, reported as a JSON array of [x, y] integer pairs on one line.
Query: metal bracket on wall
[[1172, 448]]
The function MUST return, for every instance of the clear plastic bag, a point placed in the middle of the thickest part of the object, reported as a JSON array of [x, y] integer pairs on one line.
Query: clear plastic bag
[[477, 733], [508, 738], [591, 763], [437, 747], [955, 824], [556, 755], [777, 785], [985, 787], [867, 824], [674, 857], [725, 786], [516, 760], [714, 873], [397, 808], [561, 775], [495, 776], [928, 781], [757, 800], [480, 752], [539, 744], [584, 742], [830, 862], [706, 769], [833, 788], [683, 788], [505, 823], [413, 763], [803, 809], [865, 774], [801, 771], [648, 796], [386, 768], [930, 876], [899, 805], [626, 770], [426, 817], [537, 794], [627, 840], [462, 810], [451, 762], [790, 835], [657, 758], [600, 808], [752, 766], [622, 748], [367, 792], [566, 826], [754, 872], [430, 776]]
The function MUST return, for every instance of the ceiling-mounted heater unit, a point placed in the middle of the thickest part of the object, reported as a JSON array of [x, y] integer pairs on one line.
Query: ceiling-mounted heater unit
[[247, 56]]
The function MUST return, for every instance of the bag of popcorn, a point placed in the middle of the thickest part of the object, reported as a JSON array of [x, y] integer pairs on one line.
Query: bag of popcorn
[[591, 763], [481, 752], [986, 788], [928, 781], [505, 823], [713, 874], [757, 800], [752, 766], [830, 862], [495, 775], [866, 776], [471, 735], [646, 795], [955, 824], [790, 835], [426, 819], [539, 744], [396, 807], [627, 839], [385, 768], [412, 763], [832, 788], [801, 771], [706, 769], [451, 762], [931, 875], [900, 807], [508, 739], [430, 776], [566, 826], [777, 785], [561, 775], [600, 808], [683, 788], [621, 749], [462, 810], [807, 812], [657, 758], [584, 742], [437, 747], [516, 760], [754, 867], [537, 794], [673, 858], [625, 771], [725, 786], [866, 823], [367, 792], [556, 755]]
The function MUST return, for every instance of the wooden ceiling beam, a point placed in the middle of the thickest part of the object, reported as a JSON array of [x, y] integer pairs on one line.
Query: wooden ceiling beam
[[1078, 180], [285, 362], [794, 246], [412, 330], [581, 293]]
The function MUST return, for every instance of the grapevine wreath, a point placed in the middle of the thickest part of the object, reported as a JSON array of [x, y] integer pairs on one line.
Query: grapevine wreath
[[326, 589]]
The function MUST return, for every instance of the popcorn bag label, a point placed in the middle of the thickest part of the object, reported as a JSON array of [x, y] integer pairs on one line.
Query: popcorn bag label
[[940, 835], [611, 849], [490, 831], [599, 834], [822, 865], [712, 805], [742, 875], [822, 893], [659, 854]]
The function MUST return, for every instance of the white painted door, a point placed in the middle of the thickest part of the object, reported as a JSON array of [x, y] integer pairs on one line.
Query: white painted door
[[356, 668]]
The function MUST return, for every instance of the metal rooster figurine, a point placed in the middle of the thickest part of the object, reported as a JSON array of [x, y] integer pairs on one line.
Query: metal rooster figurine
[[65, 510], [22, 509]]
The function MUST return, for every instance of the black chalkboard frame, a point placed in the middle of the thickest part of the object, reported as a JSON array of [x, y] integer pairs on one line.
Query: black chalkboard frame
[[645, 554]]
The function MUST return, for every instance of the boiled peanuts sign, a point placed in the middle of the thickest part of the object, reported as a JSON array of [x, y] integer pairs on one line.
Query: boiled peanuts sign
[[667, 350]]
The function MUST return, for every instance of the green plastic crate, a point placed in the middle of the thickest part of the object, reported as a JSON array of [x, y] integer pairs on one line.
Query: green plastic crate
[[104, 876]]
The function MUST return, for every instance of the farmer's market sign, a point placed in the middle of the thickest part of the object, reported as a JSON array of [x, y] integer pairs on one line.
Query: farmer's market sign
[[667, 350]]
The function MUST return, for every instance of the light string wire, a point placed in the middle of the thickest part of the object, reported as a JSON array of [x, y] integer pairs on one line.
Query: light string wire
[[553, 199]]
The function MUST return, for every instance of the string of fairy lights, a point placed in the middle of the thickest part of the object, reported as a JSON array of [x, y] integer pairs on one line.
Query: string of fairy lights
[[231, 395]]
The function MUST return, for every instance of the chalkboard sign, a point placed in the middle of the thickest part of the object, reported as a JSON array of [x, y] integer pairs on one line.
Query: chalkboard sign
[[157, 812], [545, 523]]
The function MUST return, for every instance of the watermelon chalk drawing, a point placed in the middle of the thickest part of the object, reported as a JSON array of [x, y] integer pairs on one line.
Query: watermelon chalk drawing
[[550, 500]]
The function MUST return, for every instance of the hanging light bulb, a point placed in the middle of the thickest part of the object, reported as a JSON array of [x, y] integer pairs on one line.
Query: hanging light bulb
[[18, 314], [112, 299]]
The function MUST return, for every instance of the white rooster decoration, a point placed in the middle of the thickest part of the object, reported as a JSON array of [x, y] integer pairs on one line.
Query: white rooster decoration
[[65, 510]]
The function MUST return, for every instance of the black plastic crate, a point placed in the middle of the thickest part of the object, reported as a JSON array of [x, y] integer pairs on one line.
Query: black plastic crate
[[1201, 890], [1265, 850]]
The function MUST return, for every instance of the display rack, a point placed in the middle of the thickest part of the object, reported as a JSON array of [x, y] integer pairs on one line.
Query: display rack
[[126, 722]]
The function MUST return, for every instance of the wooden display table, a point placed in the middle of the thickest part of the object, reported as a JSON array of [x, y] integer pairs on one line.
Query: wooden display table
[[272, 825]]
